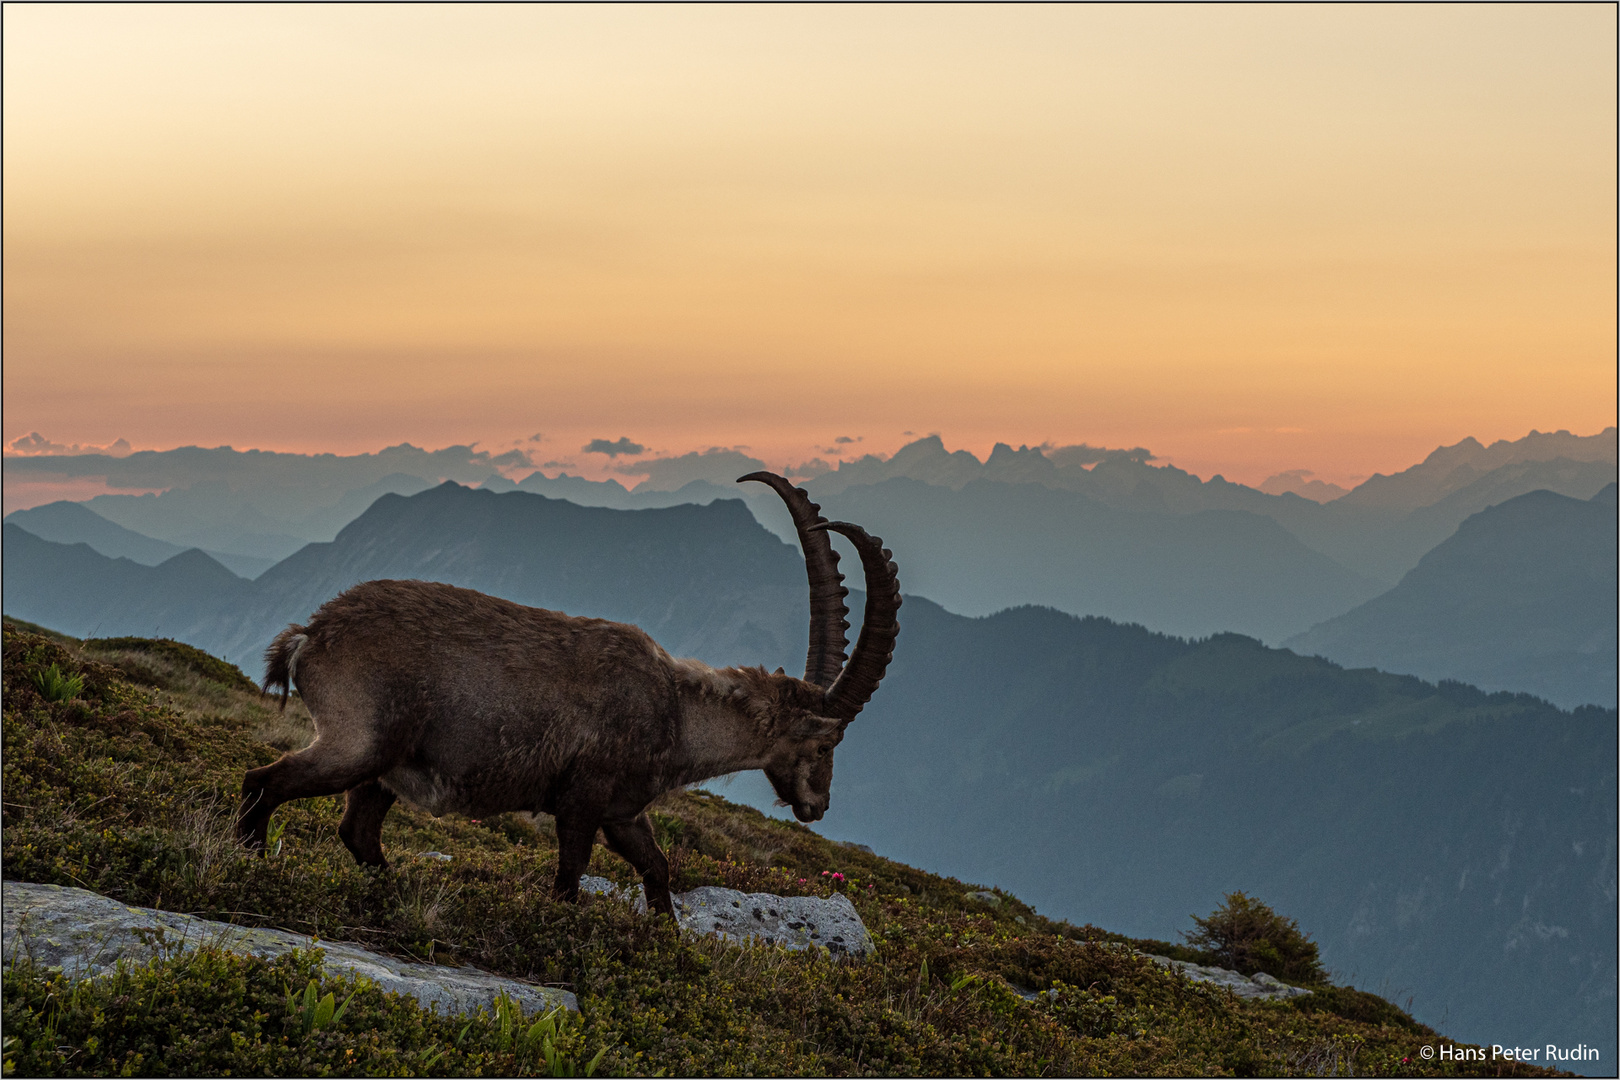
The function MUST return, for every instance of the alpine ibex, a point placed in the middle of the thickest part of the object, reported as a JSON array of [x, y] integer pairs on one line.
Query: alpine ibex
[[464, 703]]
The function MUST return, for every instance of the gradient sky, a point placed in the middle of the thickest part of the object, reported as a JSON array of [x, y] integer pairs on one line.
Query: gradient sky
[[1251, 238]]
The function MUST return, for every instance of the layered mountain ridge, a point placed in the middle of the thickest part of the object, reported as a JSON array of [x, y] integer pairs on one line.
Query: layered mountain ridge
[[1521, 597], [1434, 837]]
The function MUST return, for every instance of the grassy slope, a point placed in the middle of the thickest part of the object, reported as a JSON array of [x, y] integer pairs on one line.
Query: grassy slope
[[129, 789]]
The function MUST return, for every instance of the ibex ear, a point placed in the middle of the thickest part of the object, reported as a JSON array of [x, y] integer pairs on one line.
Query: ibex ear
[[817, 727], [779, 671]]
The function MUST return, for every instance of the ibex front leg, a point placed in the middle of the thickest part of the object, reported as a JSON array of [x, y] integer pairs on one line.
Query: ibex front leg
[[633, 841], [576, 832], [361, 828]]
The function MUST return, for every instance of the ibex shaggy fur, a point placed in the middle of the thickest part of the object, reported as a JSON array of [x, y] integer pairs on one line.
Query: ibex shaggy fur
[[463, 703]]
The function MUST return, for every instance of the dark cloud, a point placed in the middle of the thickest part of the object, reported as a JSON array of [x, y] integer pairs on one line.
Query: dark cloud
[[614, 448], [846, 438]]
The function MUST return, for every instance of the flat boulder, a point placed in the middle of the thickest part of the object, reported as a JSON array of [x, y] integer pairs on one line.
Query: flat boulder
[[1260, 985], [84, 935], [793, 922]]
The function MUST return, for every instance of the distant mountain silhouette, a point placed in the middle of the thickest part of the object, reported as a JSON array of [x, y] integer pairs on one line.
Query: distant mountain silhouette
[[1451, 468], [257, 503], [268, 524], [706, 581], [1379, 530], [1298, 481], [988, 546], [1421, 529], [1522, 597], [1106, 772], [253, 505], [74, 523], [85, 593]]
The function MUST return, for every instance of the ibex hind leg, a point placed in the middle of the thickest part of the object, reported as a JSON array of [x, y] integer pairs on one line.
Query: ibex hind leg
[[634, 842], [329, 766], [361, 828]]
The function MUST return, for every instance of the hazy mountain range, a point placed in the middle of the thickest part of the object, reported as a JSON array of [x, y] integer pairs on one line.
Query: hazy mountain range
[[1521, 597], [1437, 841], [76, 523], [1088, 530], [697, 578], [255, 503]]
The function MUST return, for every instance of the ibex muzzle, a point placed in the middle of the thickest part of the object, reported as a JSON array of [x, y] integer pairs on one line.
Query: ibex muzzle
[[464, 703]]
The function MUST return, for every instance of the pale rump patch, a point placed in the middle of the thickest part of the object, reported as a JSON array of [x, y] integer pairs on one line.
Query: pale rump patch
[[295, 645]]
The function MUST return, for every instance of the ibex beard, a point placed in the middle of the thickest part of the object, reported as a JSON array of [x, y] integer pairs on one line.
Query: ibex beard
[[464, 703]]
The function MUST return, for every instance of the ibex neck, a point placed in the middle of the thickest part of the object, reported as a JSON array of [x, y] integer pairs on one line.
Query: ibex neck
[[718, 733]]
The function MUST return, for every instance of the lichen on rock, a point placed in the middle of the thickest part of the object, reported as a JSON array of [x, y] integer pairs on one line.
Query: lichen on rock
[[793, 922], [1261, 985]]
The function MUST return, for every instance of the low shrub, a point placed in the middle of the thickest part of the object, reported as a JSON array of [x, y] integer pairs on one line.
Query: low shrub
[[1246, 935]]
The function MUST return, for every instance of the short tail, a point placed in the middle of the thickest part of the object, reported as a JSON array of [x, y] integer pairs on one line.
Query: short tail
[[281, 660]]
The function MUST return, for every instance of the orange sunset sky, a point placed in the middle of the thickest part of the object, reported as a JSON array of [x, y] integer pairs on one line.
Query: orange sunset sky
[[1248, 238]]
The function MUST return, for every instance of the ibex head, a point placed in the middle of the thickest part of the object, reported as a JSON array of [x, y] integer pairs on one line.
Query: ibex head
[[815, 710]]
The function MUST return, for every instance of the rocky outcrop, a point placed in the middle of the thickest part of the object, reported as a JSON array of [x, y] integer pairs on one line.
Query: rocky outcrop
[[1261, 985], [793, 922], [86, 935]]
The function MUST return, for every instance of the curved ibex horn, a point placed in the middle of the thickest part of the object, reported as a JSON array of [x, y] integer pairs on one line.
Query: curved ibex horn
[[829, 616], [859, 680]]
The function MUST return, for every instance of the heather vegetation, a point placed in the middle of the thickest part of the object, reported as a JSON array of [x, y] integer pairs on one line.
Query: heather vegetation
[[127, 786]]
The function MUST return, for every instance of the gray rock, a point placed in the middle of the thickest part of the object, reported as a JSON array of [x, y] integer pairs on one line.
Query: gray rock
[[1261, 986], [85, 935], [983, 896], [793, 922]]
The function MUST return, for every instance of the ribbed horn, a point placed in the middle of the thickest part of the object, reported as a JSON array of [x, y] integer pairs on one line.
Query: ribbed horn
[[829, 616], [859, 680]]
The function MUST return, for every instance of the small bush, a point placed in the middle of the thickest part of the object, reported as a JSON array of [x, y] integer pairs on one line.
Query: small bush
[[1247, 936]]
